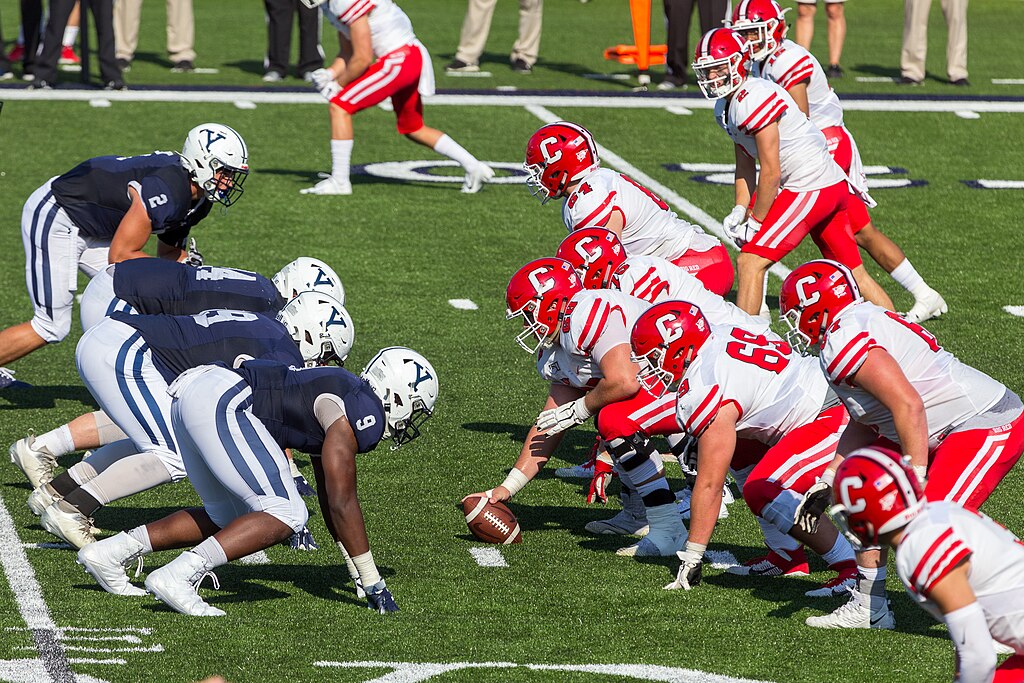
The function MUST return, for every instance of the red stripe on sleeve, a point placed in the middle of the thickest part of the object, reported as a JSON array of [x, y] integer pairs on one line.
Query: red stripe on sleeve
[[804, 63], [947, 563], [714, 396], [596, 212], [764, 105], [776, 111], [916, 574], [357, 10], [849, 348], [794, 78]]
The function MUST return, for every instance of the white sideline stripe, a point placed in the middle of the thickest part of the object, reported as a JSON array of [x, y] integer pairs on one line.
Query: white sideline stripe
[[1001, 184], [504, 100], [691, 211], [679, 111], [607, 77], [968, 114], [463, 304], [468, 74], [488, 557], [89, 660], [86, 648], [245, 104], [145, 630], [205, 70], [128, 638], [875, 79], [721, 559], [258, 557], [1015, 310], [47, 546], [1008, 81]]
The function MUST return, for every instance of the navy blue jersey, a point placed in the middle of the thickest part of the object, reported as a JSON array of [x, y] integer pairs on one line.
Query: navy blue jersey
[[158, 286], [181, 342], [95, 195], [283, 400]]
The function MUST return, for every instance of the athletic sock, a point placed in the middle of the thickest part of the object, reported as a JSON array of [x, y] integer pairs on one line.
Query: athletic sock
[[141, 534], [125, 477], [341, 159], [871, 582], [841, 554], [447, 147], [212, 552], [70, 34], [907, 277], [57, 442]]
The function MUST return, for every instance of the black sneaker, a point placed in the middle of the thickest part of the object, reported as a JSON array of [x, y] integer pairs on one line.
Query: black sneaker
[[39, 84], [183, 67], [124, 65], [960, 82], [115, 85], [459, 66], [834, 71], [907, 80], [521, 67]]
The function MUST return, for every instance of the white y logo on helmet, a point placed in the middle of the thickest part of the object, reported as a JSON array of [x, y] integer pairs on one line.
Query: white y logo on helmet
[[805, 298], [212, 136], [538, 286], [550, 157], [667, 334]]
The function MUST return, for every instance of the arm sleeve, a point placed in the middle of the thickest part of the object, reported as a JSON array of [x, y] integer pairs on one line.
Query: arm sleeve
[[969, 632], [328, 408]]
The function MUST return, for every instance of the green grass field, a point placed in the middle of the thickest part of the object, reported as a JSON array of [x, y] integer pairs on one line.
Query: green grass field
[[403, 250]]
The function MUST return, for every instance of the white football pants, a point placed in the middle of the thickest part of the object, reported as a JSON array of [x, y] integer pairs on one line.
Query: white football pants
[[98, 300]]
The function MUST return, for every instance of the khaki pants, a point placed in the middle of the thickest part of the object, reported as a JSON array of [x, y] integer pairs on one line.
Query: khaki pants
[[477, 25], [915, 38], [180, 29]]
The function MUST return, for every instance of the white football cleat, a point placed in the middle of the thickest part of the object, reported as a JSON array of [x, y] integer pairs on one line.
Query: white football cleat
[[927, 306], [683, 502], [41, 498], [73, 527], [623, 524], [856, 613], [176, 584], [329, 185], [106, 560], [648, 547], [37, 463], [576, 472], [475, 179]]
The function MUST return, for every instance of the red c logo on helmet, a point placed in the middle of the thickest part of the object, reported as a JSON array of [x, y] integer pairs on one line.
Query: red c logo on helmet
[[853, 504], [581, 249]]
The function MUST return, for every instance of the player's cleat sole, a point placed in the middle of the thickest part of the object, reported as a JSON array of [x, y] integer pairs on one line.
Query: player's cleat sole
[[855, 613], [329, 186], [927, 306], [35, 463], [575, 472], [622, 524], [476, 178], [73, 527], [41, 498], [105, 561], [176, 585], [773, 564], [647, 547]]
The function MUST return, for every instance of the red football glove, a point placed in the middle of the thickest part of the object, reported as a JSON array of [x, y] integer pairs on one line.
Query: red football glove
[[603, 471]]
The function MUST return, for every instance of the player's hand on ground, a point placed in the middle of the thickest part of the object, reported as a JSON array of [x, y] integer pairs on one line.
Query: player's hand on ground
[[379, 598], [812, 506], [689, 573], [303, 540]]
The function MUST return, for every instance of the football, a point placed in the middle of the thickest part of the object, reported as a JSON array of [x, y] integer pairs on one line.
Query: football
[[491, 522]]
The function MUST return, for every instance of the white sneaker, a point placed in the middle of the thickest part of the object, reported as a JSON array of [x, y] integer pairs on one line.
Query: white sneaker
[[106, 560], [683, 502], [927, 306], [37, 464], [73, 527], [856, 613], [41, 498], [176, 584], [648, 547], [623, 524], [476, 178], [329, 185], [576, 472]]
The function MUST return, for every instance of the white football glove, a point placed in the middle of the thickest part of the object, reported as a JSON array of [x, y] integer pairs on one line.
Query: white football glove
[[561, 418], [194, 258], [745, 231], [735, 217], [689, 573], [324, 81]]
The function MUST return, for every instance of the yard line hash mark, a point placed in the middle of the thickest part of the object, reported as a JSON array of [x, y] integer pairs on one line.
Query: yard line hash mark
[[488, 557]]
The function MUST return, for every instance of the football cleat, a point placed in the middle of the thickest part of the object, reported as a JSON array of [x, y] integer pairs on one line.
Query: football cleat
[[584, 471], [927, 306], [856, 613], [106, 560], [68, 57], [683, 502], [846, 580], [176, 584], [329, 185], [6, 378], [73, 527], [36, 463], [624, 524], [648, 547], [475, 179], [773, 564], [41, 498]]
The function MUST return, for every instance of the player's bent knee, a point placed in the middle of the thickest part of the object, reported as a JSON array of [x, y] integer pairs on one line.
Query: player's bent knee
[[291, 513], [613, 423], [781, 511], [758, 493], [52, 331]]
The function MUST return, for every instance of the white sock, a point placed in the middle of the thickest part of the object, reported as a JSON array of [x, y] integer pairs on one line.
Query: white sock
[[871, 582], [70, 34], [352, 571], [906, 275], [141, 534], [341, 158], [211, 551], [58, 441], [21, 36], [665, 519], [841, 552], [447, 147]]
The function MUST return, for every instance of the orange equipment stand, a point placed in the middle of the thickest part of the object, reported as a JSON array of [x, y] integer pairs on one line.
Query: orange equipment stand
[[641, 53]]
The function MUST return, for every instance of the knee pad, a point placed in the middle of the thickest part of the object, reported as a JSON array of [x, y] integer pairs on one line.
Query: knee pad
[[780, 511], [643, 468]]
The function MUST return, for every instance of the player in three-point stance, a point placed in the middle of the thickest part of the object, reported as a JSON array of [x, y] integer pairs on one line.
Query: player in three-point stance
[[379, 57], [104, 210]]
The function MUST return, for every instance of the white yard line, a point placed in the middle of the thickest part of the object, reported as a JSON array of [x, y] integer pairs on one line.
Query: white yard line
[[488, 557], [463, 304], [1015, 310]]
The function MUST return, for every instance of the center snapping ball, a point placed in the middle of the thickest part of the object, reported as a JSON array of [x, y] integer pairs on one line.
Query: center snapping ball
[[491, 522]]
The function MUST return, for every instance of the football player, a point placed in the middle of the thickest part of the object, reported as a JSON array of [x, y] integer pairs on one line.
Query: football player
[[582, 337], [961, 429], [231, 426], [799, 189], [104, 210], [562, 162], [127, 362], [958, 565], [379, 57], [729, 383], [156, 286], [762, 24]]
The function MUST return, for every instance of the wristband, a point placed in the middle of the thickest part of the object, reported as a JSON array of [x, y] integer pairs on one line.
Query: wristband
[[515, 481], [921, 471], [828, 477], [696, 548]]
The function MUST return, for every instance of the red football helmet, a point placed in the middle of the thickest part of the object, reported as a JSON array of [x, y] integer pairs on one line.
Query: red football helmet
[[764, 17], [595, 253], [875, 492], [540, 292], [558, 155], [811, 298], [665, 340], [721, 62]]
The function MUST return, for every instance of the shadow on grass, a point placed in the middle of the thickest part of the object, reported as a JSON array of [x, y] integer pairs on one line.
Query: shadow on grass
[[39, 396]]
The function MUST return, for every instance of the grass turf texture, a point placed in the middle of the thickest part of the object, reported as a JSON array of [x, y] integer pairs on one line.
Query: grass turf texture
[[402, 251]]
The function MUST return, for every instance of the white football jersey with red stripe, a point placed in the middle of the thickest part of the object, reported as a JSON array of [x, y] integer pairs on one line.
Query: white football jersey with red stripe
[[774, 389], [789, 65], [944, 534], [390, 27], [597, 320], [555, 364], [655, 279], [804, 161], [952, 392], [650, 227]]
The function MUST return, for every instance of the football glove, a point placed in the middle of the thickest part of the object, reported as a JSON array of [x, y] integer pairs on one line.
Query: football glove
[[603, 472], [735, 217], [194, 258], [559, 419], [745, 231], [303, 540], [324, 81], [379, 598], [689, 573], [813, 506], [304, 487]]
